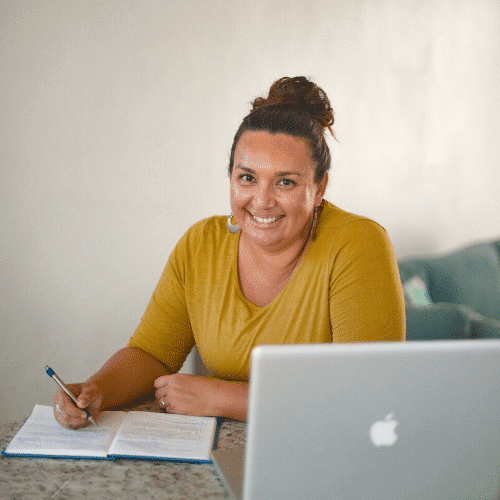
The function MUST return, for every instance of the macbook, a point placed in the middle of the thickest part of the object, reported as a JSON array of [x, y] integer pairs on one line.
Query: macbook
[[398, 420]]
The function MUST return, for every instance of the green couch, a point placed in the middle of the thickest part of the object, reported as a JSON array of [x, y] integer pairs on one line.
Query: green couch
[[454, 296]]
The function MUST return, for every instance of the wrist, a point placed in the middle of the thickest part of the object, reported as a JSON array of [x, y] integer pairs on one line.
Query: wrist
[[230, 399], [95, 393]]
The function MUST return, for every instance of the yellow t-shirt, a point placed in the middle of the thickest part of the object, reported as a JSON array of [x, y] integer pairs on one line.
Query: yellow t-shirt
[[346, 289]]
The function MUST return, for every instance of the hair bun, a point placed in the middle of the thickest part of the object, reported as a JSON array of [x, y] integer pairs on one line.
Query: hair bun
[[299, 92]]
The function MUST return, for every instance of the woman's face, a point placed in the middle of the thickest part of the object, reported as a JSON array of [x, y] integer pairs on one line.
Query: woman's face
[[273, 193]]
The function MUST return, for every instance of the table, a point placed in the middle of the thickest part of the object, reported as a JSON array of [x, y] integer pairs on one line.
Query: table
[[65, 479]]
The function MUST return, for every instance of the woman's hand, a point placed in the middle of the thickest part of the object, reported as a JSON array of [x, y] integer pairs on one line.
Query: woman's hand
[[70, 416], [186, 394], [194, 395]]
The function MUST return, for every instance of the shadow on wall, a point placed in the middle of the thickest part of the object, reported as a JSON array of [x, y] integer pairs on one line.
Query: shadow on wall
[[411, 241], [199, 367]]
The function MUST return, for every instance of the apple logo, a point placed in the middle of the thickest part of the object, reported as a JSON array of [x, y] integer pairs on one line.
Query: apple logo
[[382, 432]]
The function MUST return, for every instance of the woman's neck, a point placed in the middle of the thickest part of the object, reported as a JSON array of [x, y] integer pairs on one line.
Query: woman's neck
[[263, 273]]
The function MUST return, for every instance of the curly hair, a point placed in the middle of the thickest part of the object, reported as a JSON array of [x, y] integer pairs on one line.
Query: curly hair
[[297, 107]]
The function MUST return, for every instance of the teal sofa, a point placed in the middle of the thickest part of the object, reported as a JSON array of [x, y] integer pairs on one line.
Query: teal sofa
[[453, 296]]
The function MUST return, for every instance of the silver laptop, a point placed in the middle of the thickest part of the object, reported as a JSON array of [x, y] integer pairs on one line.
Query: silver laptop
[[409, 420]]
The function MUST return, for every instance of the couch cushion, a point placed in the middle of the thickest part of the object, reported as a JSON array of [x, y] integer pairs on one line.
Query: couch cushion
[[448, 321], [415, 292], [412, 267], [439, 322], [470, 276]]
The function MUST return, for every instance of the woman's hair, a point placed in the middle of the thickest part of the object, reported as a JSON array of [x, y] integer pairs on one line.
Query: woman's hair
[[297, 107]]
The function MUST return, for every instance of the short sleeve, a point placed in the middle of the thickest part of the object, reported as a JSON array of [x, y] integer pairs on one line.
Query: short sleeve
[[366, 297]]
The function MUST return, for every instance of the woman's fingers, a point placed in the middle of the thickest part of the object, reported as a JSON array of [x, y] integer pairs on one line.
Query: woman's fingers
[[186, 394], [73, 416]]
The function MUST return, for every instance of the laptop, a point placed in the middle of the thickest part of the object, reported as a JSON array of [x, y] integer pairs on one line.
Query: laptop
[[398, 420]]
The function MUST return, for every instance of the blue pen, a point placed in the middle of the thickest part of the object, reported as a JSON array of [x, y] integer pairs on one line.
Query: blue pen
[[51, 373]]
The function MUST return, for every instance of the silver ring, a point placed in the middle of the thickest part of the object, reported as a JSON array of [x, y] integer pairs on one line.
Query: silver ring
[[162, 403], [58, 408]]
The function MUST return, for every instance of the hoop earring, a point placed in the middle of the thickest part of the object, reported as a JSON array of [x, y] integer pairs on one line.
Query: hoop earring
[[233, 228]]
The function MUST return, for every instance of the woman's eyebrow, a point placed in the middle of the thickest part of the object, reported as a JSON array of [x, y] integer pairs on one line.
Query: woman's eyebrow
[[278, 174], [281, 174], [246, 169]]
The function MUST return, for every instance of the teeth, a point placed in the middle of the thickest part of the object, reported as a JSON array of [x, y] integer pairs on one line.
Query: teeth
[[265, 221]]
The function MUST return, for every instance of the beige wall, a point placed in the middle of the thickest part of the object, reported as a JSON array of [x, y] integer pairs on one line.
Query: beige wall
[[116, 120]]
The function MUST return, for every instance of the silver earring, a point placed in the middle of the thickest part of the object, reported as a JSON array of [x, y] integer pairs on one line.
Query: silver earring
[[233, 228]]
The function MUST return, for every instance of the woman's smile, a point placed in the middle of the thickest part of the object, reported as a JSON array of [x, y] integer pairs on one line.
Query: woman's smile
[[266, 220]]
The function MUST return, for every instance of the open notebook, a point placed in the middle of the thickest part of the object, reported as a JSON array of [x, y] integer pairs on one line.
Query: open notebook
[[134, 434]]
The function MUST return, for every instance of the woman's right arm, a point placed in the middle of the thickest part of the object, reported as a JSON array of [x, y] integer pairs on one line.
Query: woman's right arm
[[165, 331], [127, 375]]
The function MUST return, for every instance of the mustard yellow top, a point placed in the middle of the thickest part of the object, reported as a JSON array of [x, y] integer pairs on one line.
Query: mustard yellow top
[[346, 289]]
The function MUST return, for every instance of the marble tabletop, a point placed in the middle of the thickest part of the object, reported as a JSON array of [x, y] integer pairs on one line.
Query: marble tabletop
[[65, 479]]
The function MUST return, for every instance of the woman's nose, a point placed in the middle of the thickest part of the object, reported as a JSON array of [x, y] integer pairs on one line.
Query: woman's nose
[[264, 196]]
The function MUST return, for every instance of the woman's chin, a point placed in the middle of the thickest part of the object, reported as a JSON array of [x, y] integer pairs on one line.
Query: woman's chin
[[264, 236]]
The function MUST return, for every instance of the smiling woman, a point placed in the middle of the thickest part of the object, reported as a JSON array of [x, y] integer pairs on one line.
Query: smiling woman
[[294, 269]]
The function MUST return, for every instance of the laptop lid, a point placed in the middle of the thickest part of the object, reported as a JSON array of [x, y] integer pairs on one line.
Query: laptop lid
[[408, 420]]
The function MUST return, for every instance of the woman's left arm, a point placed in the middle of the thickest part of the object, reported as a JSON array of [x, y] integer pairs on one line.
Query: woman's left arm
[[366, 297], [197, 395]]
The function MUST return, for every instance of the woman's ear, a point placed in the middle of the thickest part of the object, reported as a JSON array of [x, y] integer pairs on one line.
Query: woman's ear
[[322, 185]]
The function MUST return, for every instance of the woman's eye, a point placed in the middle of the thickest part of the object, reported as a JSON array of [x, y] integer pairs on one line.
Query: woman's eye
[[287, 182], [246, 178]]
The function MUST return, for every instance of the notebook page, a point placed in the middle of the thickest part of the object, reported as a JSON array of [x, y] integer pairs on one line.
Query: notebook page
[[42, 435], [165, 435]]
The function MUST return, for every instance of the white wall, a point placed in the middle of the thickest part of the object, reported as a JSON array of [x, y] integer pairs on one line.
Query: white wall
[[116, 120]]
